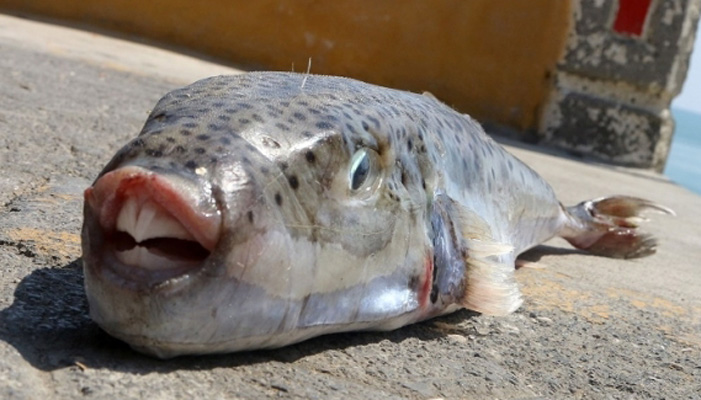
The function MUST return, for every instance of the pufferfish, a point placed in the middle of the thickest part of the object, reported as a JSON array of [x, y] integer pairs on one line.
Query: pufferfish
[[259, 210]]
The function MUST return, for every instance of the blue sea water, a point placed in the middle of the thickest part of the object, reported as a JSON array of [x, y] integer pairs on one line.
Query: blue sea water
[[684, 161]]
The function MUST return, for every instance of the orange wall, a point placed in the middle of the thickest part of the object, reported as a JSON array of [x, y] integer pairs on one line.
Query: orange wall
[[489, 58]]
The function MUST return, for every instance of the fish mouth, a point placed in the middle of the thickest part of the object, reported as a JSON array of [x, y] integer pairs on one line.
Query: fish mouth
[[148, 228]]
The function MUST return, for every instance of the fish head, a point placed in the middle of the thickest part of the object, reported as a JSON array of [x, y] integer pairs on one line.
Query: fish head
[[250, 214]]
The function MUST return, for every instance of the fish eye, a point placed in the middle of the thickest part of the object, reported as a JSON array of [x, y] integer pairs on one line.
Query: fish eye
[[362, 167]]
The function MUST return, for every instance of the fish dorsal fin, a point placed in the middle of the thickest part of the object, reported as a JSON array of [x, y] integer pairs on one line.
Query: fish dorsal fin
[[430, 95], [489, 283]]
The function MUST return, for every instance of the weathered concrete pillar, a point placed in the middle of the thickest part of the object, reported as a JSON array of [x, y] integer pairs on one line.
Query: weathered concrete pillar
[[624, 62]]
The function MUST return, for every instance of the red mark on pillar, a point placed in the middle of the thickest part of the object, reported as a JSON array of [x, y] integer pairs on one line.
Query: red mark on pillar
[[631, 16]]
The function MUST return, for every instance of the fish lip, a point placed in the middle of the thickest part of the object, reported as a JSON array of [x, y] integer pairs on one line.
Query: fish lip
[[111, 271], [103, 202]]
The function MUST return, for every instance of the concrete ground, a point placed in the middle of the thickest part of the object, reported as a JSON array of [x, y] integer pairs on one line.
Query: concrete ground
[[591, 327]]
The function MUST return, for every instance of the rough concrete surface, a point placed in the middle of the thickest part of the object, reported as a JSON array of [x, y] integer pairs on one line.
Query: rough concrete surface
[[591, 327]]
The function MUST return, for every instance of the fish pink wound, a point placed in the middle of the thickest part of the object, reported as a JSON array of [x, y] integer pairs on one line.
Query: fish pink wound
[[263, 209]]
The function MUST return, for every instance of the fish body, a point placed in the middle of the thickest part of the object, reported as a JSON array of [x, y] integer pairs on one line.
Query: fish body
[[259, 210]]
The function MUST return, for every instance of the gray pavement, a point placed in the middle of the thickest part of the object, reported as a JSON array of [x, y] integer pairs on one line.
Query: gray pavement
[[590, 327]]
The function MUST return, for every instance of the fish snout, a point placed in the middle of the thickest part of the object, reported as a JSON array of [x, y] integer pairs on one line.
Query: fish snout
[[148, 227]]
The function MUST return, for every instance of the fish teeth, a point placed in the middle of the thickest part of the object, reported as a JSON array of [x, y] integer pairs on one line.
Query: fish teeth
[[148, 221], [143, 258]]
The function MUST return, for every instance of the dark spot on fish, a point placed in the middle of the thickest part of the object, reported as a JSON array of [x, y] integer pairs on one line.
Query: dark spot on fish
[[190, 125], [200, 150], [202, 137], [230, 111], [225, 118], [283, 165], [294, 183], [250, 216], [274, 111], [244, 121], [246, 160], [191, 164], [309, 155], [409, 145], [137, 143], [324, 125], [350, 128], [154, 153], [366, 126], [278, 199], [224, 140], [264, 170], [375, 121], [170, 139], [299, 116], [179, 149], [245, 105], [307, 134], [257, 118], [282, 126], [423, 183]]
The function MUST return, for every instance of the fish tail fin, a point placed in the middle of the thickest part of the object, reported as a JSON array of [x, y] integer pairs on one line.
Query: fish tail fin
[[608, 226]]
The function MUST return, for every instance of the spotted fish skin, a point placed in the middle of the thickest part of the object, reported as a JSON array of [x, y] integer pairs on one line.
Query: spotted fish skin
[[259, 210]]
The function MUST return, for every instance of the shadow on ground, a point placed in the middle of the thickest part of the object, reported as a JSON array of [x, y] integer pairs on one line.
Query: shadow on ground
[[48, 323]]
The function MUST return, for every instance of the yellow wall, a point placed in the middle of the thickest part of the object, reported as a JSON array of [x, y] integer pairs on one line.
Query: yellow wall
[[489, 58]]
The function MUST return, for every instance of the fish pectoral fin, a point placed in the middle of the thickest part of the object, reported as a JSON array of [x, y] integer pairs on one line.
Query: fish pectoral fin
[[489, 283], [472, 268]]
